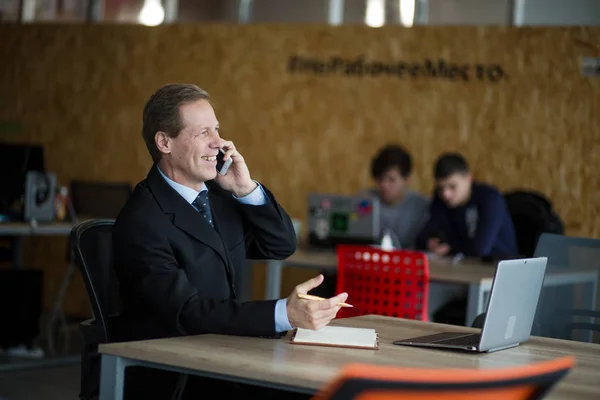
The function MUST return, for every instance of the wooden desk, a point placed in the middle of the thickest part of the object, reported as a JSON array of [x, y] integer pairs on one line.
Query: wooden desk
[[279, 364], [477, 276], [21, 229], [39, 229]]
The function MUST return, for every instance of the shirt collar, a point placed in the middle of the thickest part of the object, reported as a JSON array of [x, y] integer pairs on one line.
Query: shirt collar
[[187, 193]]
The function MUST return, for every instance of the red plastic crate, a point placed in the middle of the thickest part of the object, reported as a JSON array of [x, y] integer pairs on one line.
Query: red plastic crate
[[392, 283]]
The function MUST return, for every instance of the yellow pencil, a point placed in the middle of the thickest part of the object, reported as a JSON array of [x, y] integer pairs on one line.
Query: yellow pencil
[[311, 297]]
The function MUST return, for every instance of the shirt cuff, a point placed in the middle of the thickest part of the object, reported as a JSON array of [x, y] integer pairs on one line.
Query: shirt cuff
[[257, 197], [282, 323]]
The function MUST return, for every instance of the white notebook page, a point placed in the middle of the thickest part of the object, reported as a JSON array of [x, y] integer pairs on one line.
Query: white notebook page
[[338, 336]]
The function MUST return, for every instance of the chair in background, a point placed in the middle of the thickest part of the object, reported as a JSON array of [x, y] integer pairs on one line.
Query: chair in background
[[557, 315], [391, 283], [89, 200], [568, 312], [91, 244], [566, 324], [370, 382], [532, 215]]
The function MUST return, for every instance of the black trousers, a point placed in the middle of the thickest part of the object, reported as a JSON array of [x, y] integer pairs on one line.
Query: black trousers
[[147, 383]]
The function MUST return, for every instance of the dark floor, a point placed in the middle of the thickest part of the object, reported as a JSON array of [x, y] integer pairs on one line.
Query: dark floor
[[54, 383], [53, 377]]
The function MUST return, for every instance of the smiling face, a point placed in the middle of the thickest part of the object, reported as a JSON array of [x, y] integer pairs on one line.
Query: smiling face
[[191, 158]]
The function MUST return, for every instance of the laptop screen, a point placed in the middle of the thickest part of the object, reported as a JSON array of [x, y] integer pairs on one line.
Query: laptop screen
[[342, 219]]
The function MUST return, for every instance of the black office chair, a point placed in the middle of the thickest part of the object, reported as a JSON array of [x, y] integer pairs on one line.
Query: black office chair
[[532, 214], [565, 322], [89, 200], [558, 316], [91, 244], [565, 312], [569, 321]]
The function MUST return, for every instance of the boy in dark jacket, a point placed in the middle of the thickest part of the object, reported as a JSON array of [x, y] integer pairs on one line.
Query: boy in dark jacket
[[465, 216]]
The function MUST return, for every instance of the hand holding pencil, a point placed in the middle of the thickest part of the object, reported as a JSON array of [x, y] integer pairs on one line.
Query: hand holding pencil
[[312, 312], [311, 297]]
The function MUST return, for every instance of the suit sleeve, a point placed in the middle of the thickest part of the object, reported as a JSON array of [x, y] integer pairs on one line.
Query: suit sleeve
[[269, 230], [149, 269], [488, 226]]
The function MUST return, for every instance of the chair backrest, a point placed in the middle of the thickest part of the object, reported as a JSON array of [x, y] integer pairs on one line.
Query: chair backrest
[[556, 314], [532, 214], [571, 323], [568, 251], [370, 382], [91, 243], [391, 283]]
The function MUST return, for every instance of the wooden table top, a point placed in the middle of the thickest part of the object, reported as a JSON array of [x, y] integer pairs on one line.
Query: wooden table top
[[312, 367], [465, 271], [41, 228]]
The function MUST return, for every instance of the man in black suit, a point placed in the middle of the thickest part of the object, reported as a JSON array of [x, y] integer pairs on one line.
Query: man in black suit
[[184, 231]]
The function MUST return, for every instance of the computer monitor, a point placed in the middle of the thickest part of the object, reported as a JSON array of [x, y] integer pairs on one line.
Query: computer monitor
[[342, 219], [15, 161]]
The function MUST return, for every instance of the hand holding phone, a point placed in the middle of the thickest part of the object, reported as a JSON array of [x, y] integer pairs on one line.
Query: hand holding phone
[[233, 175], [223, 166]]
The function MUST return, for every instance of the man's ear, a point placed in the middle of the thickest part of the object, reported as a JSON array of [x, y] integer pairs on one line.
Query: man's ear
[[163, 142]]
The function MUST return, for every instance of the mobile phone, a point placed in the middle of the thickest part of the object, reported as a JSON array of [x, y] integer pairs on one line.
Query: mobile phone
[[223, 166]]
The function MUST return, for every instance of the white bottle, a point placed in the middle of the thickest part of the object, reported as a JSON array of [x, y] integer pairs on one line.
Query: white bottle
[[387, 242]]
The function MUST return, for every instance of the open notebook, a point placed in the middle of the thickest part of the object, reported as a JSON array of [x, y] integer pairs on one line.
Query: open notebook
[[338, 336]]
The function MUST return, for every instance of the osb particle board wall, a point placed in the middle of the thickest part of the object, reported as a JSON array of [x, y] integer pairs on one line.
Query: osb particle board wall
[[514, 101]]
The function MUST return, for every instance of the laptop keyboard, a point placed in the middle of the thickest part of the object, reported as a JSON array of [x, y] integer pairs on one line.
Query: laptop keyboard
[[469, 340], [449, 338]]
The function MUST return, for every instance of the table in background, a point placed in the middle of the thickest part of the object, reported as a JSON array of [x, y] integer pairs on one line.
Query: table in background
[[20, 230], [279, 364], [476, 275]]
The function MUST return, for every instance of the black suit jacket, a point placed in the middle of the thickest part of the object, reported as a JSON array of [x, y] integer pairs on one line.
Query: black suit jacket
[[176, 272]]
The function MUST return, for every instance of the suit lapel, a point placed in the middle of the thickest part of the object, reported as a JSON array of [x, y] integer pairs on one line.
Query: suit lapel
[[185, 217], [221, 221], [190, 221]]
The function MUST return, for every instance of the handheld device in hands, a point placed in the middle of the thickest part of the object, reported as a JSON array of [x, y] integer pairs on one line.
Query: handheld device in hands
[[439, 235], [223, 166]]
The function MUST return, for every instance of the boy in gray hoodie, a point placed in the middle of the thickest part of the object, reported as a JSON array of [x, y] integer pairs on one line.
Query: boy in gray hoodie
[[403, 211]]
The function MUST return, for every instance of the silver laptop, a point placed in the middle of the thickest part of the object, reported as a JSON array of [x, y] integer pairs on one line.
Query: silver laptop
[[342, 219], [510, 312]]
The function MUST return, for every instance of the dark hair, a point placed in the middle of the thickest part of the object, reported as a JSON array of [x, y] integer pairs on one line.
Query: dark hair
[[161, 112], [389, 157], [449, 164]]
